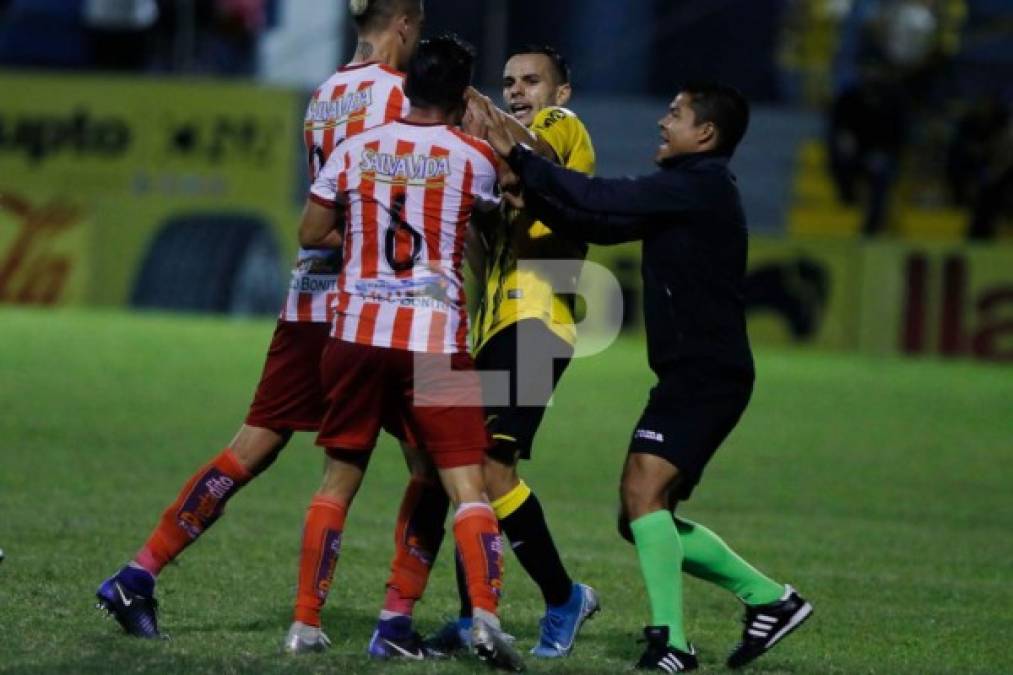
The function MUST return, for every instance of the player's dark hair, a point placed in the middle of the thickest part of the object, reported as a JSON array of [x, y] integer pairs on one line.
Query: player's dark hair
[[439, 72], [559, 62], [374, 15], [723, 106]]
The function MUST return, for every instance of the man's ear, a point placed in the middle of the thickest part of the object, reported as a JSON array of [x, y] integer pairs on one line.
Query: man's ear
[[403, 26], [563, 93], [707, 134]]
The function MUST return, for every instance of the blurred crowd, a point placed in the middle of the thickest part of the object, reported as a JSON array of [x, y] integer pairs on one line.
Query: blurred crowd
[[907, 99], [192, 36], [918, 92]]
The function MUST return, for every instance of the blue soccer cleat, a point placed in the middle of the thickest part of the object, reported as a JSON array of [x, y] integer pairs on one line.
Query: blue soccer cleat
[[395, 639], [129, 597], [452, 637], [560, 625]]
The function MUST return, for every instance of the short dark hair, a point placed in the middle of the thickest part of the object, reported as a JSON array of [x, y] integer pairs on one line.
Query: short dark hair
[[439, 72], [559, 63], [723, 106], [373, 15]]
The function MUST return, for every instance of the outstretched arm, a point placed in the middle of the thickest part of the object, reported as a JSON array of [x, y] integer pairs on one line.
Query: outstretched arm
[[586, 226], [481, 111], [662, 192], [655, 194]]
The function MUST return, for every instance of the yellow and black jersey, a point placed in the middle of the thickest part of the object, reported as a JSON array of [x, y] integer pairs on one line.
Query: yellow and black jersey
[[511, 295]]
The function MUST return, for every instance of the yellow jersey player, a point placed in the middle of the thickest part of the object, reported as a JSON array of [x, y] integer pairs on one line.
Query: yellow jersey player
[[522, 327]]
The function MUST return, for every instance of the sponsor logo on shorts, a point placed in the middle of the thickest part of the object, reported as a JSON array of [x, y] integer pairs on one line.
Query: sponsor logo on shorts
[[328, 561], [649, 435], [203, 505]]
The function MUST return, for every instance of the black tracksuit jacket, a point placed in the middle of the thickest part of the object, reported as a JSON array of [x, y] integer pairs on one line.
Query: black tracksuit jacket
[[689, 216]]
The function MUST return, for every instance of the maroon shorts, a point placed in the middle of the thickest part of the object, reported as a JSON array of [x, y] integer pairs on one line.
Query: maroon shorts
[[289, 396], [432, 399]]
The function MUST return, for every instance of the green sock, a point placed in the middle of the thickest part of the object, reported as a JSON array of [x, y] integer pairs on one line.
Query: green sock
[[660, 554], [709, 558]]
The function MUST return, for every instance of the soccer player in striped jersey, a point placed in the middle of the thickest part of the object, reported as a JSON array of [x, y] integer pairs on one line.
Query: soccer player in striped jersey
[[398, 354], [521, 312], [363, 94]]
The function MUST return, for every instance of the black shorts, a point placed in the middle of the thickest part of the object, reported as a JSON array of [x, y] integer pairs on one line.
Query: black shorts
[[512, 424], [689, 414]]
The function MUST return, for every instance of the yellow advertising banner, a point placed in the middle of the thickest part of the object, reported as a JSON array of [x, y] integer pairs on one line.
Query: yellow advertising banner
[[943, 300], [952, 300], [97, 171], [798, 291]]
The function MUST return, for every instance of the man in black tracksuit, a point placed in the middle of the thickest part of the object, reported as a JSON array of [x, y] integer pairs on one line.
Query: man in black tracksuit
[[689, 216]]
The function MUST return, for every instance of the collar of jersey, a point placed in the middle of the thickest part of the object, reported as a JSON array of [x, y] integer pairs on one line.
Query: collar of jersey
[[402, 120], [383, 66]]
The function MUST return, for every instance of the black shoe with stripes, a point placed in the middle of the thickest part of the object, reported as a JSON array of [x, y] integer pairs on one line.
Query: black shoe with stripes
[[663, 657], [766, 625]]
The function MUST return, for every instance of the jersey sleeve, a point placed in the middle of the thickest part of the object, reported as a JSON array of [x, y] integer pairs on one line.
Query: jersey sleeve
[[324, 190], [567, 136], [485, 187]]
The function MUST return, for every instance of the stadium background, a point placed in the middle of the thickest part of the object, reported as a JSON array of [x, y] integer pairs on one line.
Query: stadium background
[[155, 164]]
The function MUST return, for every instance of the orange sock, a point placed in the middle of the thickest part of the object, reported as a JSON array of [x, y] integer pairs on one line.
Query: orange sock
[[417, 540], [198, 505], [321, 545], [477, 533]]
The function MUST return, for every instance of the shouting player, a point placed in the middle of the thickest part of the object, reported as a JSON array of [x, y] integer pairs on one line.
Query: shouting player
[[524, 328], [398, 357], [365, 93]]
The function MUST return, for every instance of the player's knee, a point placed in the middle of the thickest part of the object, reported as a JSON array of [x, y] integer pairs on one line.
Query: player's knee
[[500, 478], [420, 466], [343, 475], [503, 453], [640, 490], [256, 448]]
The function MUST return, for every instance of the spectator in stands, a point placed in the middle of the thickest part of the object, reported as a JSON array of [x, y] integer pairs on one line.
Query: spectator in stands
[[888, 62], [995, 197]]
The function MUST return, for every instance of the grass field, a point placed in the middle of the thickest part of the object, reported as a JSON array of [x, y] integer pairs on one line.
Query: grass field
[[880, 488]]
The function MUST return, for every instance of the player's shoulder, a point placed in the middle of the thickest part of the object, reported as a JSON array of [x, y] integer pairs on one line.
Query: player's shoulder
[[555, 115], [475, 146], [359, 141], [363, 72]]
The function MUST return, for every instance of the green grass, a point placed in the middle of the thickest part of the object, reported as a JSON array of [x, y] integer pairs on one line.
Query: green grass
[[879, 487]]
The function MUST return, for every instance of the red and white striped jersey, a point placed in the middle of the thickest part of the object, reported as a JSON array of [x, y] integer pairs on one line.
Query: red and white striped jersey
[[408, 191], [355, 98]]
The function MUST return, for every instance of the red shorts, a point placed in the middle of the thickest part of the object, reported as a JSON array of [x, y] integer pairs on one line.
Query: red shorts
[[289, 396], [434, 399]]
